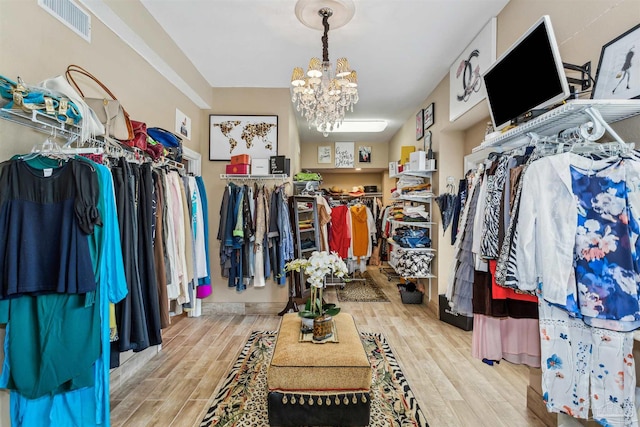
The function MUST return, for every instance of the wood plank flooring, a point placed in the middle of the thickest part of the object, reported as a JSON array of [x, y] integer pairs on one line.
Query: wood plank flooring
[[453, 389]]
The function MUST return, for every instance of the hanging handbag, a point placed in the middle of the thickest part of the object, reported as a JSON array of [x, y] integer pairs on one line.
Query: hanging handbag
[[170, 141], [111, 114]]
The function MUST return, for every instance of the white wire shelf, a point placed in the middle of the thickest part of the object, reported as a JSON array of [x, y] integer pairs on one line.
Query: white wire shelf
[[422, 199], [421, 224], [283, 176], [400, 248], [566, 116], [421, 173]]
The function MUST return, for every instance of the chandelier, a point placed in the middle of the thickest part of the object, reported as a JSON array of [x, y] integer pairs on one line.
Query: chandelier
[[322, 96]]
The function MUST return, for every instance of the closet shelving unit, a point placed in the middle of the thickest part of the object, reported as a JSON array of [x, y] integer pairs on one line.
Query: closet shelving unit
[[395, 248], [573, 113]]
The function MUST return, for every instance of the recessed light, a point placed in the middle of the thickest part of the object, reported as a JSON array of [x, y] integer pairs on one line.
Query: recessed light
[[358, 169], [361, 126]]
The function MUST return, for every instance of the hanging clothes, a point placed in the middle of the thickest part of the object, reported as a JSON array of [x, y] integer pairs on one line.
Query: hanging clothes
[[339, 233], [88, 406], [204, 283]]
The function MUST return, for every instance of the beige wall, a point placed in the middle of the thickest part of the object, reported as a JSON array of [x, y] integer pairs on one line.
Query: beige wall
[[581, 29], [246, 101]]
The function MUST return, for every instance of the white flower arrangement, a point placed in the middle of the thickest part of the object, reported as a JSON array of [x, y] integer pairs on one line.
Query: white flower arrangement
[[316, 268]]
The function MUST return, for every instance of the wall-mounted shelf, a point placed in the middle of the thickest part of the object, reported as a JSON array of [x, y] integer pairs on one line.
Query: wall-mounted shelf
[[421, 173], [421, 224], [419, 199], [283, 176], [568, 115], [41, 122]]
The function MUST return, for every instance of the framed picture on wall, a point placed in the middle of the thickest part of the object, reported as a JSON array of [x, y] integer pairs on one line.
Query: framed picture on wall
[[428, 116], [324, 154], [419, 125], [229, 136], [618, 75], [344, 154], [364, 154], [466, 88], [183, 124]]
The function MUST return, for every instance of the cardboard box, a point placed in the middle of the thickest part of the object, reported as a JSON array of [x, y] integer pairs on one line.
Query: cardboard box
[[418, 160], [238, 169], [405, 152], [452, 317], [241, 159], [260, 166]]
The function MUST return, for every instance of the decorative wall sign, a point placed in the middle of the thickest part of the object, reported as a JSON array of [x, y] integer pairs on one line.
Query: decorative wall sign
[[428, 116], [229, 136], [618, 75], [364, 154], [419, 125], [183, 124], [466, 87], [344, 154], [324, 154]]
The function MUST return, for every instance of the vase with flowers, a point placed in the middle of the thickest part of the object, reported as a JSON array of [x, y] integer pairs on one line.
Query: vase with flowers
[[318, 315]]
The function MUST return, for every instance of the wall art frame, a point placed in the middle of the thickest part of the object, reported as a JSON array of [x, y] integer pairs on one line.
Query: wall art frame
[[419, 124], [618, 74], [466, 87], [183, 124], [231, 135], [344, 154], [429, 117], [364, 154], [324, 154]]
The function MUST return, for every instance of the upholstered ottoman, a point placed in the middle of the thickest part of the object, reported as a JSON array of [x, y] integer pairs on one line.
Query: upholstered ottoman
[[319, 384]]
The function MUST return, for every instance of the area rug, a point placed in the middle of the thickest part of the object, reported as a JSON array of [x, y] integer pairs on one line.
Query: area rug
[[366, 290], [241, 400]]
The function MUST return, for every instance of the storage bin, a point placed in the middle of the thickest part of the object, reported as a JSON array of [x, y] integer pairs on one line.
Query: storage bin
[[238, 169], [452, 317], [409, 297], [241, 159]]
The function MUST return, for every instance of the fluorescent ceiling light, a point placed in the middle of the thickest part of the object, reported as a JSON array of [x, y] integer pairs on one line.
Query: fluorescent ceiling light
[[361, 126]]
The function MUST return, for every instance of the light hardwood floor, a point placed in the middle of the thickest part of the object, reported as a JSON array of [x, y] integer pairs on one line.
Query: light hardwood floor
[[452, 388]]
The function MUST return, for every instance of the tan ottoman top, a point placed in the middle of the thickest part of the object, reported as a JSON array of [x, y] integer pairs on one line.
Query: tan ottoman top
[[331, 367]]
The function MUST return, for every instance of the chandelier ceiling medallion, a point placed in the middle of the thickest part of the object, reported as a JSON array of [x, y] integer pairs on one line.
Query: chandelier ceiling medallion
[[323, 96]]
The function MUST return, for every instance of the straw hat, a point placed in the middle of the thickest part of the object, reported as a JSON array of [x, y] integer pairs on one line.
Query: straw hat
[[357, 191], [336, 190]]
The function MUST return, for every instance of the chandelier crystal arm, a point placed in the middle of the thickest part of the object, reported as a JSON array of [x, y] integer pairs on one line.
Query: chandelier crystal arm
[[325, 12]]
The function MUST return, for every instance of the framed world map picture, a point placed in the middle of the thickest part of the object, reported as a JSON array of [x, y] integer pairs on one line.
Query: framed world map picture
[[229, 136]]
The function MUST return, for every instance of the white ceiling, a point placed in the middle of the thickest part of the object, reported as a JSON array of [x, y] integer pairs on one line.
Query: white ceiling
[[401, 49]]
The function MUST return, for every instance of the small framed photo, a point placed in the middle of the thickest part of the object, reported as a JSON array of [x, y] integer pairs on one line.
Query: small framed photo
[[364, 154], [618, 75], [324, 154], [419, 125], [428, 116], [427, 141]]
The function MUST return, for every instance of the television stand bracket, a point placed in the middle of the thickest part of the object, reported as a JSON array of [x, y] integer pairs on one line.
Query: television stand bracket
[[585, 74]]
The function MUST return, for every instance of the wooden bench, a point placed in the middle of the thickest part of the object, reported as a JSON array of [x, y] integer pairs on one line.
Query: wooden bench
[[319, 384]]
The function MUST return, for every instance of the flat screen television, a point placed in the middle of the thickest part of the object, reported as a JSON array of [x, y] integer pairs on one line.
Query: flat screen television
[[528, 76]]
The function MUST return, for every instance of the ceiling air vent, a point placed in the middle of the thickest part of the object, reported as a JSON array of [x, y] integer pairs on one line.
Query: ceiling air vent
[[68, 12]]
